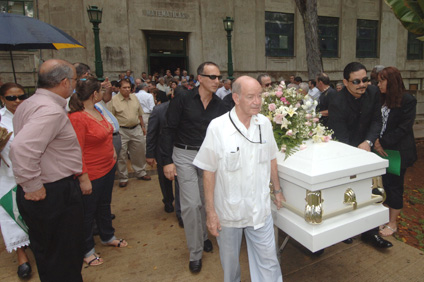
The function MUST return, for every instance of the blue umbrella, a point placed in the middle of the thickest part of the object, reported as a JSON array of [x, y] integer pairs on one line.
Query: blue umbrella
[[18, 32]]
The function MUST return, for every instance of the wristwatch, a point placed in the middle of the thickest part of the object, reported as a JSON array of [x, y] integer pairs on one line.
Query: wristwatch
[[369, 143], [278, 191]]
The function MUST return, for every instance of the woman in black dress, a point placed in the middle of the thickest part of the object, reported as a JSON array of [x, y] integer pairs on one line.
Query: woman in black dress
[[398, 113]]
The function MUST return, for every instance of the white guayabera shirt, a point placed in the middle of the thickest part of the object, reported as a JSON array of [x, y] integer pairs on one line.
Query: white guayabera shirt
[[242, 168]]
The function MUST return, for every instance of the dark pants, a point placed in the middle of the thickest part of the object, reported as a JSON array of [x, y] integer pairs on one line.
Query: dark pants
[[166, 188], [97, 207], [393, 185], [56, 230]]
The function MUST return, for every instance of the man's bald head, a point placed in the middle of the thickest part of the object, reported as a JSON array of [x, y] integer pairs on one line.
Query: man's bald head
[[53, 71], [247, 95]]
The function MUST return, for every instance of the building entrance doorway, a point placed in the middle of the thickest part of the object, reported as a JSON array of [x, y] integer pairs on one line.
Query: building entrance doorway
[[166, 51]]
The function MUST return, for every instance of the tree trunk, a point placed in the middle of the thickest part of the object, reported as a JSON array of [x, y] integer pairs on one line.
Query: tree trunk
[[309, 13]]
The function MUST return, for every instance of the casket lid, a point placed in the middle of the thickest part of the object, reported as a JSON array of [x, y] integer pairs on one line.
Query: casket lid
[[326, 162]]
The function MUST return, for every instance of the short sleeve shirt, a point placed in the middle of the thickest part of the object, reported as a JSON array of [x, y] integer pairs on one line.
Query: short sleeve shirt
[[242, 168]]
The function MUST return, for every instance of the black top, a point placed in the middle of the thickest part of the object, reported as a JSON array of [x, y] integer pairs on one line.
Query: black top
[[324, 101], [355, 120], [228, 102], [188, 120], [399, 133], [157, 122]]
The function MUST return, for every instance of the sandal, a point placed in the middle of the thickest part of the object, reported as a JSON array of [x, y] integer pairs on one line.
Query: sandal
[[95, 261], [387, 231], [121, 243]]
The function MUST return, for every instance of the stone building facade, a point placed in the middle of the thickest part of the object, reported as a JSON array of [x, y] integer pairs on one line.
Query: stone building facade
[[149, 35]]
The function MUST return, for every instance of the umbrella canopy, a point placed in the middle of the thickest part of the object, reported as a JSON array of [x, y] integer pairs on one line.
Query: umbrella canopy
[[18, 32]]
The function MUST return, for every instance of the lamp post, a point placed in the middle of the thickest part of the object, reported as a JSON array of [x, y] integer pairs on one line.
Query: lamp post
[[95, 16], [228, 26]]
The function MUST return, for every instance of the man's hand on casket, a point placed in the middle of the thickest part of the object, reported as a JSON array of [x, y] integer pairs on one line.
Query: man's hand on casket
[[279, 199], [213, 224]]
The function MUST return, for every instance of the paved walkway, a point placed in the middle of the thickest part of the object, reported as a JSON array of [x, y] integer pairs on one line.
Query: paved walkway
[[157, 251]]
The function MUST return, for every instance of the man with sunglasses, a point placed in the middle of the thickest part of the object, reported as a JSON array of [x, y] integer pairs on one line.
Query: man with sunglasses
[[238, 157], [355, 116], [265, 80], [188, 117]]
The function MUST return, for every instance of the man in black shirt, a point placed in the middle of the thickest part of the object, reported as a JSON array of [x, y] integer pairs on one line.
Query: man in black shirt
[[188, 117], [323, 85], [355, 117]]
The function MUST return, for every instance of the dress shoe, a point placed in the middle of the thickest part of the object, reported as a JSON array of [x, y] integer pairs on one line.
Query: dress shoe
[[207, 246], [112, 216], [123, 184], [195, 266], [180, 221], [24, 270], [376, 241], [146, 178], [169, 208], [348, 241]]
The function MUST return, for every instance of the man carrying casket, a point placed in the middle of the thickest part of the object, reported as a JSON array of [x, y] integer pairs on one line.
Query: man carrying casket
[[355, 117]]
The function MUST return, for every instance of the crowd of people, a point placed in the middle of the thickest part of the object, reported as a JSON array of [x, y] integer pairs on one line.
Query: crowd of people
[[206, 135]]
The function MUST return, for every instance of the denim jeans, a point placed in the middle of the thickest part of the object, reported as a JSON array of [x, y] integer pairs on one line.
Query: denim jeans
[[97, 206]]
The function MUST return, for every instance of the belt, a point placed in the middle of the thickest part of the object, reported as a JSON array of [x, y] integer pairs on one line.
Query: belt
[[129, 127], [116, 133], [187, 147]]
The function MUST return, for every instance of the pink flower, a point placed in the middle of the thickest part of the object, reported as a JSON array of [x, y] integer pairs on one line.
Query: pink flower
[[278, 119], [308, 116], [279, 93], [311, 133], [272, 107], [297, 105], [315, 120], [289, 132], [303, 147], [266, 94], [326, 138], [308, 123]]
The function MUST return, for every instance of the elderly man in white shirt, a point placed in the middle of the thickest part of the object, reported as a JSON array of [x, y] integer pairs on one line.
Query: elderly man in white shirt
[[238, 157], [147, 102], [224, 90]]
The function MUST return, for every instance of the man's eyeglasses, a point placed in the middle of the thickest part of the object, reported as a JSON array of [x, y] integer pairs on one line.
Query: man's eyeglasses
[[14, 98], [358, 81], [268, 84], [212, 77]]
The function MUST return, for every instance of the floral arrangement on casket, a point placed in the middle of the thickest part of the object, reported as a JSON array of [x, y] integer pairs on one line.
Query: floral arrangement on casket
[[292, 122]]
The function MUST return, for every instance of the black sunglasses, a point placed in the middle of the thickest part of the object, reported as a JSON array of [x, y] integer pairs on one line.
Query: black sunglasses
[[13, 98], [358, 81], [268, 84], [213, 77]]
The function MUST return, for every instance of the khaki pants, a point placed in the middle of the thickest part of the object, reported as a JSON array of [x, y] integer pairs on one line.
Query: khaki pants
[[134, 143]]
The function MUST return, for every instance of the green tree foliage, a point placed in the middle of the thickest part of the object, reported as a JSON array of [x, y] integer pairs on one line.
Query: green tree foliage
[[410, 13]]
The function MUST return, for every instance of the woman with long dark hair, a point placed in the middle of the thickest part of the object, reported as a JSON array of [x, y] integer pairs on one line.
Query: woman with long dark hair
[[94, 134], [398, 113]]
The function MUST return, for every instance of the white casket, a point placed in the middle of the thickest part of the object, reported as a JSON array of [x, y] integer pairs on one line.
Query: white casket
[[328, 191]]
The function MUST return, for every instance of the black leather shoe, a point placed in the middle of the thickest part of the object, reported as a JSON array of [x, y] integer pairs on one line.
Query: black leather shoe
[[376, 241], [112, 216], [24, 270], [348, 241], [180, 221], [207, 246], [195, 266], [169, 208]]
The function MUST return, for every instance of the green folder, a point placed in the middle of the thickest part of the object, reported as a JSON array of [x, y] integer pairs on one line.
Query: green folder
[[8, 201], [394, 161]]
